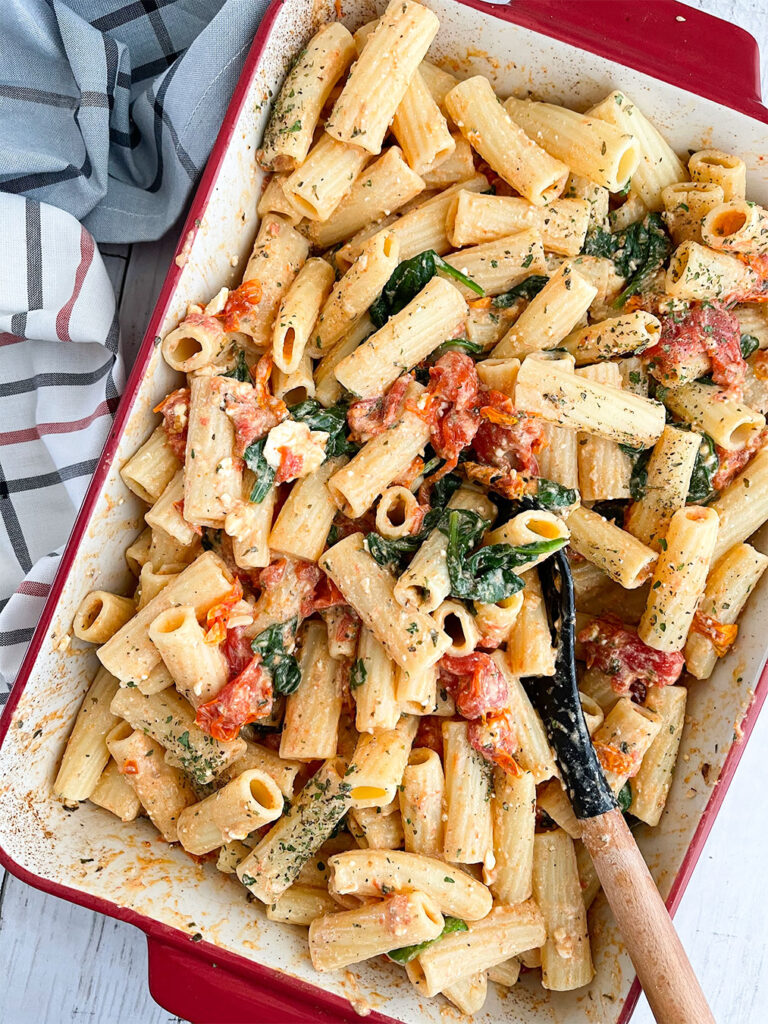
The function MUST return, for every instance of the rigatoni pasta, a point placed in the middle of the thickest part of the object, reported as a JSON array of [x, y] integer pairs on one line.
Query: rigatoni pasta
[[425, 385]]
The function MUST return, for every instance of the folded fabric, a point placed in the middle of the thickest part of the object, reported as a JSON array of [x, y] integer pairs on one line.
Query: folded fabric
[[109, 110]]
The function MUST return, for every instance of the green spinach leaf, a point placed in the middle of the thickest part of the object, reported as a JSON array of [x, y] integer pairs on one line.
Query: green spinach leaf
[[405, 954], [240, 370], [624, 797], [395, 552], [407, 281], [358, 675], [273, 645], [456, 345], [551, 494], [333, 421], [638, 481], [527, 289], [749, 344], [638, 251], [704, 469], [261, 469], [488, 575]]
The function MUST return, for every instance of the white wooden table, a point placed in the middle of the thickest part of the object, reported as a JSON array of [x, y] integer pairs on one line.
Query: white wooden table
[[62, 964]]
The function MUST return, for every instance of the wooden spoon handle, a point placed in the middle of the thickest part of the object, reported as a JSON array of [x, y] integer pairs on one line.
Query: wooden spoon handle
[[671, 987]]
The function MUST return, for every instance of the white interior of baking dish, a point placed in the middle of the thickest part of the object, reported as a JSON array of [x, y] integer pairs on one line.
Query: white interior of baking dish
[[128, 864]]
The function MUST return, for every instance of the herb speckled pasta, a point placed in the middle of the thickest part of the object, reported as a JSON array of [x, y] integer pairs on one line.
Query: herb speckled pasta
[[473, 331]]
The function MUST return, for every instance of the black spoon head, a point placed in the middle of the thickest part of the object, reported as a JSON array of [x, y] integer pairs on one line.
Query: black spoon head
[[556, 698]]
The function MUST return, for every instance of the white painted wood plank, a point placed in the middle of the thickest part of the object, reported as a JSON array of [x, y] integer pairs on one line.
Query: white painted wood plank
[[62, 963]]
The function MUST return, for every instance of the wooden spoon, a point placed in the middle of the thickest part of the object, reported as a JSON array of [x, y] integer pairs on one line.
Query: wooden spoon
[[664, 971]]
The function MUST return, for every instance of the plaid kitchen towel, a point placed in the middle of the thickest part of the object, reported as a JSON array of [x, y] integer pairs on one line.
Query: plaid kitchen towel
[[108, 110]]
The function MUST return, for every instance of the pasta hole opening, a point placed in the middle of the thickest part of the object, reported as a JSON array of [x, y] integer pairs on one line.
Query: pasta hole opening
[[304, 206], [653, 330], [432, 912], [92, 612], [262, 794], [728, 223], [420, 756], [695, 514], [742, 434], [289, 341], [719, 160], [170, 622], [627, 163], [296, 395], [396, 513], [545, 528], [368, 793], [389, 245], [186, 348], [454, 627]]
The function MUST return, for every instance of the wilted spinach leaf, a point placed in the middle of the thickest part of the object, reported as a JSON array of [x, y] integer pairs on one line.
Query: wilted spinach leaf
[[271, 644], [456, 345], [527, 289], [638, 251], [333, 421], [407, 281], [358, 675], [704, 469], [638, 481], [488, 575], [240, 370], [405, 954], [748, 344], [261, 469], [551, 494], [624, 797]]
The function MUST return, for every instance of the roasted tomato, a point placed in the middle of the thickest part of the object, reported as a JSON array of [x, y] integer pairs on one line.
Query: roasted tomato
[[237, 650], [246, 698], [240, 305], [507, 439], [452, 404], [496, 739], [618, 651], [218, 616], [706, 331], [253, 409], [369, 417], [618, 760], [475, 683], [720, 634], [175, 412]]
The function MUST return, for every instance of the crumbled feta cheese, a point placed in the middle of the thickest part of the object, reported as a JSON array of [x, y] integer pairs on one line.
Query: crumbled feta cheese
[[217, 303], [300, 441]]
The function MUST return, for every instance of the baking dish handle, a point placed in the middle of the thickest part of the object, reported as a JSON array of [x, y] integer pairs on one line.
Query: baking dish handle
[[664, 39], [196, 985]]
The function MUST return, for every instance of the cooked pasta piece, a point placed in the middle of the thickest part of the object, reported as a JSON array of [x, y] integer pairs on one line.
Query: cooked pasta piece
[[503, 144], [599, 151], [714, 167], [566, 957], [198, 668], [475, 218], [86, 754], [304, 92], [668, 478], [350, 936], [373, 679], [713, 631], [650, 786], [468, 835], [659, 166], [373, 872], [311, 723], [298, 313], [679, 578], [378, 763], [514, 824], [100, 615], [392, 53], [421, 796]]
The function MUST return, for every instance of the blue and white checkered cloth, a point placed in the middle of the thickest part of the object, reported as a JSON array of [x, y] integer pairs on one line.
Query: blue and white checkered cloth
[[109, 109]]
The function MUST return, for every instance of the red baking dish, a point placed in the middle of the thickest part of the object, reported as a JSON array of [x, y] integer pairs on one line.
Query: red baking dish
[[246, 968]]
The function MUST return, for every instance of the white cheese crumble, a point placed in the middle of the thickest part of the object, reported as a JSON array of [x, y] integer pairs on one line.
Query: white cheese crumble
[[300, 441]]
